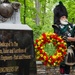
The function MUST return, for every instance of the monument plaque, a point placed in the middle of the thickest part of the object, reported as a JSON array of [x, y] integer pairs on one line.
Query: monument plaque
[[17, 56]]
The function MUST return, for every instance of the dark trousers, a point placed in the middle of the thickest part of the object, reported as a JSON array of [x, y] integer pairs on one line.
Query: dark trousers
[[64, 69]]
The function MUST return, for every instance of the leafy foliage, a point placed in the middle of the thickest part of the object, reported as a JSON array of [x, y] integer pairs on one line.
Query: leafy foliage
[[50, 49], [70, 5]]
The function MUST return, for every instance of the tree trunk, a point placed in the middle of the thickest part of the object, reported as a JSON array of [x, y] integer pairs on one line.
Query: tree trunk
[[37, 5], [44, 12], [24, 11]]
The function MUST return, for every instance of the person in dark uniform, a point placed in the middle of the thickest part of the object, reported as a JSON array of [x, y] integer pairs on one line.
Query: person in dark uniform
[[66, 30]]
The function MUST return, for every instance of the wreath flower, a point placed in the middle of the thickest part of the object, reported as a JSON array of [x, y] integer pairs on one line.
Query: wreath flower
[[60, 46]]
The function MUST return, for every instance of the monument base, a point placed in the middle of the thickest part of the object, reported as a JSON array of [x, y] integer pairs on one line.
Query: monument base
[[17, 56]]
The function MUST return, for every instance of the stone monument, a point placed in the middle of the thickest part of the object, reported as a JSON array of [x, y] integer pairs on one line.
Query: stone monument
[[17, 56]]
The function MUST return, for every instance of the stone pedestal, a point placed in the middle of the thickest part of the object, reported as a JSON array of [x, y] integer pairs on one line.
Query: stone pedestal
[[17, 56]]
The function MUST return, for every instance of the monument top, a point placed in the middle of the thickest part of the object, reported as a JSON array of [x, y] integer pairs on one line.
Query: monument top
[[9, 12], [10, 16], [14, 26]]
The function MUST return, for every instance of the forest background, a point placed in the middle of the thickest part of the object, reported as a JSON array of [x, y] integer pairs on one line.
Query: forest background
[[38, 14]]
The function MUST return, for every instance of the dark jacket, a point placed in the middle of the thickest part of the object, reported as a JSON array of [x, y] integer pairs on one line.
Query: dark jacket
[[64, 35]]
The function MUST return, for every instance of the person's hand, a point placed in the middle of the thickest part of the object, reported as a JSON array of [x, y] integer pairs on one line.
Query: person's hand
[[70, 39]]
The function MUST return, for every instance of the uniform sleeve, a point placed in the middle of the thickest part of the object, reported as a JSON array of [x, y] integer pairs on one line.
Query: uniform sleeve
[[74, 31], [56, 29]]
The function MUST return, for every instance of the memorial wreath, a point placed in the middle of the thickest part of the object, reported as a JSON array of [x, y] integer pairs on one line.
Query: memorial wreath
[[42, 55]]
